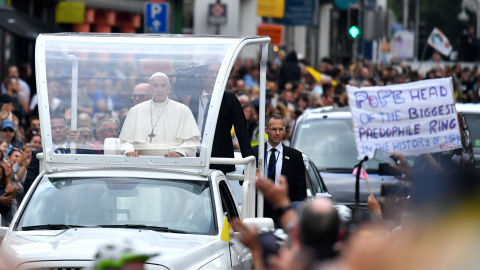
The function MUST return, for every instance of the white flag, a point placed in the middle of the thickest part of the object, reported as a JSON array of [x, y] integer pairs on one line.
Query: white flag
[[439, 42]]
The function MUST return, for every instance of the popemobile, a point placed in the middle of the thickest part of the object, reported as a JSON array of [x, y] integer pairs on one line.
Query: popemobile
[[147, 174]]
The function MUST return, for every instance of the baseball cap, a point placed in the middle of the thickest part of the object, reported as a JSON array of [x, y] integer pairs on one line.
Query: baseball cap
[[7, 123]]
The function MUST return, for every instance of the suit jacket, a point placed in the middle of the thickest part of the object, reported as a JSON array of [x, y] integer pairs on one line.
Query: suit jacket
[[231, 113], [33, 169], [294, 170]]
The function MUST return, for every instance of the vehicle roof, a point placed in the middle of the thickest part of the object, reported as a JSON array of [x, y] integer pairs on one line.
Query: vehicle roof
[[468, 107], [326, 113]]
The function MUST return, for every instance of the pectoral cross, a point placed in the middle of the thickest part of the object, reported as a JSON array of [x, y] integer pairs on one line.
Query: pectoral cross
[[151, 135]]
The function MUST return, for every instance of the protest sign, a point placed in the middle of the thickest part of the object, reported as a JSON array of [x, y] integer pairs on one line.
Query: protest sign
[[412, 118]]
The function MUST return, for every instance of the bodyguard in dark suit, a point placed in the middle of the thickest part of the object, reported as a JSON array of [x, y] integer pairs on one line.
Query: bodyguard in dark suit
[[33, 169], [282, 160], [231, 113]]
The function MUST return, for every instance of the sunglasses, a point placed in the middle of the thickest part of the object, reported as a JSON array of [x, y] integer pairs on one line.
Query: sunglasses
[[17, 149], [7, 130], [138, 96]]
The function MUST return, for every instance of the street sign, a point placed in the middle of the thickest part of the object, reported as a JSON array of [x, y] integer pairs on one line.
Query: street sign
[[217, 14], [156, 17], [271, 8], [275, 32], [297, 12]]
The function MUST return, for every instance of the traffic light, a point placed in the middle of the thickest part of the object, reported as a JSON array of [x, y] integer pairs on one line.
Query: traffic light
[[353, 21]]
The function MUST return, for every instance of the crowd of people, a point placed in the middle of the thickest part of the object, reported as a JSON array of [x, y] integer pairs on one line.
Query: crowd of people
[[429, 226], [104, 103]]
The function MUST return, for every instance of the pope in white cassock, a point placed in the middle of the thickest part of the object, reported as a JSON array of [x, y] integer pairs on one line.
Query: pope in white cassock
[[160, 126]]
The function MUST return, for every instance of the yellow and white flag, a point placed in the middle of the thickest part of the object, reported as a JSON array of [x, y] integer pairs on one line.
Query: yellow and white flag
[[439, 42], [225, 236]]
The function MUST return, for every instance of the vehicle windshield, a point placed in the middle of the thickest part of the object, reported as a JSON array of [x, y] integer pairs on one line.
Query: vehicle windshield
[[330, 144], [163, 205]]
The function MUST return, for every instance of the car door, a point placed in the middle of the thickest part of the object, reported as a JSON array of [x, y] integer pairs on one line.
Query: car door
[[240, 255]]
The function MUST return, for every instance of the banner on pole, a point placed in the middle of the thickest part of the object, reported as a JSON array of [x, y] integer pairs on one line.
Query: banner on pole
[[439, 42], [412, 118]]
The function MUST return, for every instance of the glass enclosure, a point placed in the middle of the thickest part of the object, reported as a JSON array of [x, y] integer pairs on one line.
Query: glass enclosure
[[175, 205], [132, 95]]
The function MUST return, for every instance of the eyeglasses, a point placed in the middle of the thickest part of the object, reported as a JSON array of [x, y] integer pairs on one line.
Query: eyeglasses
[[110, 130], [138, 96], [86, 136], [8, 130], [58, 128], [276, 129]]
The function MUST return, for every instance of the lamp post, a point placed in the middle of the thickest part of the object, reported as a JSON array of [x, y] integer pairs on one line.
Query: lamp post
[[474, 6]]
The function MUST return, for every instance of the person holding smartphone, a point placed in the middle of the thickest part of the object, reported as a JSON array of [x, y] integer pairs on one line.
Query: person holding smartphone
[[7, 192]]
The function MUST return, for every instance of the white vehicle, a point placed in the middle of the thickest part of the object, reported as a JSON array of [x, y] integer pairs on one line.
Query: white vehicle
[[177, 207], [472, 114]]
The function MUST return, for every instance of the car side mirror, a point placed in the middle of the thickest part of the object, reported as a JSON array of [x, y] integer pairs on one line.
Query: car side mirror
[[260, 223]]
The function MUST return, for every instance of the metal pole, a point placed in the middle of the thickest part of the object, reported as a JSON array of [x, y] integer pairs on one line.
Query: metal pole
[[478, 18], [405, 14], [355, 50], [316, 33], [417, 27], [217, 27], [261, 124]]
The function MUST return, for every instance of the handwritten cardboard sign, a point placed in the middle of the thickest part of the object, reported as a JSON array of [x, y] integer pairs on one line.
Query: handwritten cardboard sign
[[412, 118]]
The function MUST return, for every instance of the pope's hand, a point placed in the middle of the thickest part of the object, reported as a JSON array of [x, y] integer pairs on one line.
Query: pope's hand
[[131, 154], [173, 154]]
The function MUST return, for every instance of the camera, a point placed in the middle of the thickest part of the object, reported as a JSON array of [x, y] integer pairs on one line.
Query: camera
[[394, 190], [271, 242], [189, 79]]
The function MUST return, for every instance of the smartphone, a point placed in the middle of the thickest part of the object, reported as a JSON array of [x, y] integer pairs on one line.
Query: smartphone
[[30, 145], [384, 156], [270, 246]]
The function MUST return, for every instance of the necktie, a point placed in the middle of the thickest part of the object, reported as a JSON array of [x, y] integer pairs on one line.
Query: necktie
[[272, 164], [205, 112], [61, 150]]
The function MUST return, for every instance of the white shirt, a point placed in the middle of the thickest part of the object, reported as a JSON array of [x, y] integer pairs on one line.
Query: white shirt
[[279, 158], [202, 108]]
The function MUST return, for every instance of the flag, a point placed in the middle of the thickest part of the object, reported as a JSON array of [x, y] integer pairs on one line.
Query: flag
[[225, 236], [315, 74], [363, 173], [439, 42]]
